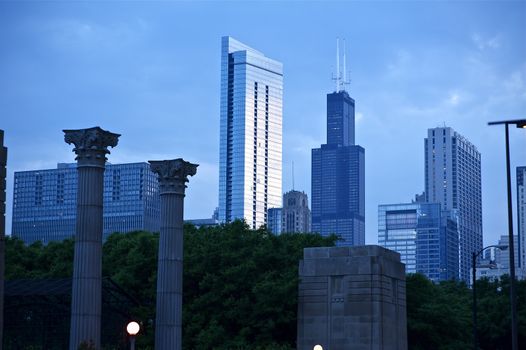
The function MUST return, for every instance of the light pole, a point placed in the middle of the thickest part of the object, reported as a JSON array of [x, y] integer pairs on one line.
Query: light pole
[[519, 123], [473, 287], [132, 328]]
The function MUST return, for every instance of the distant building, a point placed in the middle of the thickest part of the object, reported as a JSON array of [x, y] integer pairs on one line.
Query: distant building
[[274, 220], [213, 221], [296, 214], [453, 179], [496, 262], [425, 237], [45, 201], [521, 216], [502, 256], [338, 176], [250, 158]]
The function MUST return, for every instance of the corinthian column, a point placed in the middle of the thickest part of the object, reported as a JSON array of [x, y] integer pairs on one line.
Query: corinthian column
[[173, 175], [91, 147]]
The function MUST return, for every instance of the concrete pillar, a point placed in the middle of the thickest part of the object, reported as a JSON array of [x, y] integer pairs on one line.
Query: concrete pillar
[[352, 298], [91, 147], [173, 174], [3, 163]]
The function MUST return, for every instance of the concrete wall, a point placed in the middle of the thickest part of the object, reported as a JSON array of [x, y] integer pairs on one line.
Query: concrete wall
[[352, 298]]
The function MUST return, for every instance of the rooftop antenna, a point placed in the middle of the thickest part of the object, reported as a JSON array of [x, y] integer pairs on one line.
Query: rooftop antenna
[[293, 175], [344, 68], [345, 80], [337, 64]]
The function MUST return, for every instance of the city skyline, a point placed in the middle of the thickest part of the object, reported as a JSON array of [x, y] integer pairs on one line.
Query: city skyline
[[134, 70]]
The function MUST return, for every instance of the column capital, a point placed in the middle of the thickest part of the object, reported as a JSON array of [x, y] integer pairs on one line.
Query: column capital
[[91, 145], [173, 174]]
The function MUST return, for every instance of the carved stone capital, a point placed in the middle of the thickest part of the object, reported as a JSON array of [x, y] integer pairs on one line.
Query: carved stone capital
[[91, 145], [173, 174]]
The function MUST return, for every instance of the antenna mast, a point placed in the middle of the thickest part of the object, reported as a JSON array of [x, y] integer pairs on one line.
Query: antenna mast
[[337, 64], [293, 175], [344, 80]]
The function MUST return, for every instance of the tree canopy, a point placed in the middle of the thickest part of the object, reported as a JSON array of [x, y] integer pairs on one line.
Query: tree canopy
[[240, 290]]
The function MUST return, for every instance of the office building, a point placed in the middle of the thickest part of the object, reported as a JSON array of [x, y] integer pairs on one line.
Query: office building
[[45, 201], [521, 216], [338, 176], [453, 179], [250, 159], [496, 262], [274, 220], [296, 214], [425, 237]]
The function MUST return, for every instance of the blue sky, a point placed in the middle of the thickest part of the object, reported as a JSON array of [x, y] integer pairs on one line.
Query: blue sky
[[151, 71]]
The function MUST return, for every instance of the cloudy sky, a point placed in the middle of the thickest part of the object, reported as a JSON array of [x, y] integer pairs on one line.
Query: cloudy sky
[[151, 71]]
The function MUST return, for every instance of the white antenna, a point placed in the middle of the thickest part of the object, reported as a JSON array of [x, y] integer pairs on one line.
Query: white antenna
[[344, 80], [293, 175], [337, 64]]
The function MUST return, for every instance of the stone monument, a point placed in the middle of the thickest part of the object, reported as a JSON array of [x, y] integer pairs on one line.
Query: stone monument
[[91, 147], [3, 163], [352, 298], [173, 175]]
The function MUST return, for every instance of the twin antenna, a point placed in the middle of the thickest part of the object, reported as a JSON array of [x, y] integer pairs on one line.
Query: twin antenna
[[340, 79]]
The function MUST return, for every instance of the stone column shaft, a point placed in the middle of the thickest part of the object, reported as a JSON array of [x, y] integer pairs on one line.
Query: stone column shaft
[[91, 147], [169, 309]]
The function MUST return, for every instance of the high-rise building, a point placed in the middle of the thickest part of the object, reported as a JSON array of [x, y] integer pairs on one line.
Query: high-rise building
[[3, 163], [274, 220], [498, 263], [250, 159], [45, 201], [425, 236], [453, 179], [521, 216], [296, 214], [338, 176]]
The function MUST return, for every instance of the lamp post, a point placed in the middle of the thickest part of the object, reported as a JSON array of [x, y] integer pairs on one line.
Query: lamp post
[[473, 287], [132, 328], [519, 123]]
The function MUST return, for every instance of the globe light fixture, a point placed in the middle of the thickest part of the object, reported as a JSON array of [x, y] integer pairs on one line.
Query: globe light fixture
[[318, 347], [133, 328]]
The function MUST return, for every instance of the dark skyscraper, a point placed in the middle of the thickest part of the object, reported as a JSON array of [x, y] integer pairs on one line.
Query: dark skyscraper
[[338, 176]]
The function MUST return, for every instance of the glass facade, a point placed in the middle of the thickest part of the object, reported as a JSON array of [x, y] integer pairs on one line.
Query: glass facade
[[453, 179], [338, 176], [250, 160], [521, 216], [274, 221], [45, 201], [425, 237]]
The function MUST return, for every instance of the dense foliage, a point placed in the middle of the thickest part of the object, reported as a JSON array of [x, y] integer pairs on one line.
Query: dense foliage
[[240, 290], [240, 285]]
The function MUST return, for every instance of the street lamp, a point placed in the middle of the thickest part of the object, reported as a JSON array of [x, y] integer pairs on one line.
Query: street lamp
[[318, 347], [519, 123], [473, 286], [132, 328]]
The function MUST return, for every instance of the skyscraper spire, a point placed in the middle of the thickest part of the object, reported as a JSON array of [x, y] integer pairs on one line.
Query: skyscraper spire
[[337, 65]]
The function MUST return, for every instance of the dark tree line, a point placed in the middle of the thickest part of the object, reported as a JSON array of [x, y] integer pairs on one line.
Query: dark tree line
[[240, 290]]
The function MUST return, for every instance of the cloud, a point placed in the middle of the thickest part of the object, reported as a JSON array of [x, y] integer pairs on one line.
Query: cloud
[[358, 117], [486, 43]]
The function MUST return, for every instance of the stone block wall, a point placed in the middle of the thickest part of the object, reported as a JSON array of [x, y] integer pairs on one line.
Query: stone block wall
[[352, 298]]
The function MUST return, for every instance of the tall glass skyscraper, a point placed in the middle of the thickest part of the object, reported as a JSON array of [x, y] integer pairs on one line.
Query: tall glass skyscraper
[[521, 216], [425, 237], [45, 201], [338, 176], [250, 159], [453, 179]]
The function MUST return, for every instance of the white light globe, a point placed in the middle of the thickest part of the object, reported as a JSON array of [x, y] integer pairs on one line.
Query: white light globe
[[318, 347], [133, 328]]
